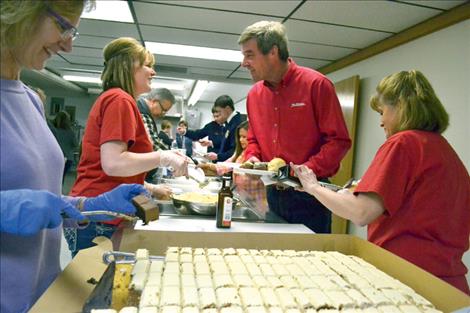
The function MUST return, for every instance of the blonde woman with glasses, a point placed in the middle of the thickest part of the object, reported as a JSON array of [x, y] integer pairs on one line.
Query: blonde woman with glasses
[[415, 196], [116, 148], [31, 162]]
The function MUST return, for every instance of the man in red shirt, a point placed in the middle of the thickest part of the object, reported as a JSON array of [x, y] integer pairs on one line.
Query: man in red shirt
[[294, 114]]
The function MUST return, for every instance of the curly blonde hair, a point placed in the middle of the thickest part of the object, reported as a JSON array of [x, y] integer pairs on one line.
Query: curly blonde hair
[[418, 106]]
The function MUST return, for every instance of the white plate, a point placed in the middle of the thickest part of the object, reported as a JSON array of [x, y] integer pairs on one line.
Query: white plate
[[229, 164], [197, 173], [253, 172], [180, 181]]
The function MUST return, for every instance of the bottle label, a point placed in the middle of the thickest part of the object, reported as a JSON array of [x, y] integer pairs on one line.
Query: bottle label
[[227, 212]]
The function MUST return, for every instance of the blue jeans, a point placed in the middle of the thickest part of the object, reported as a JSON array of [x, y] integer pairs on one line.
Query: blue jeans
[[299, 208], [82, 238]]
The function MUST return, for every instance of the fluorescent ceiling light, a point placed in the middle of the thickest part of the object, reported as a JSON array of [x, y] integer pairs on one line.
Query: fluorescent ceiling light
[[170, 86], [194, 52], [110, 11], [83, 79], [96, 80], [197, 92], [94, 91]]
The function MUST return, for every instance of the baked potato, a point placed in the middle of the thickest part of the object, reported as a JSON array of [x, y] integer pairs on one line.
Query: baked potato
[[275, 164]]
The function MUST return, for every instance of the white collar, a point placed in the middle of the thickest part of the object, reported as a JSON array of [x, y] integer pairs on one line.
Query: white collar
[[231, 116]]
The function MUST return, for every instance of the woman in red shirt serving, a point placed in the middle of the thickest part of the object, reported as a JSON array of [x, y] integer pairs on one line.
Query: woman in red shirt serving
[[116, 148], [415, 196]]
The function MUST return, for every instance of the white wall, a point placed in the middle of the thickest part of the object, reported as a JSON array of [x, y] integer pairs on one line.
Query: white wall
[[206, 113], [82, 103], [444, 58]]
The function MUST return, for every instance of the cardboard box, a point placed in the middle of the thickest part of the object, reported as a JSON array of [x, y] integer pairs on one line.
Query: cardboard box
[[58, 299]]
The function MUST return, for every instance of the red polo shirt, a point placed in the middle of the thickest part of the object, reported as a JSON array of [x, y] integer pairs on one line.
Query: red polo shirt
[[114, 117], [300, 121], [425, 190]]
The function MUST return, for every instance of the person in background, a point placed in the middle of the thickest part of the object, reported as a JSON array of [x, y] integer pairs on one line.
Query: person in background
[[231, 118], [41, 94], [237, 157], [153, 105], [248, 186], [415, 195], [65, 136], [115, 147], [31, 162], [182, 141], [294, 114], [165, 134], [212, 130]]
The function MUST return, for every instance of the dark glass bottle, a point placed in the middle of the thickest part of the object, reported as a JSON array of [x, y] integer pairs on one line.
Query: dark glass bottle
[[225, 203]]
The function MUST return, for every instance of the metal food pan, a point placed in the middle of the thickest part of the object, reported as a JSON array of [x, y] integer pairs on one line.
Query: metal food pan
[[102, 295], [190, 208]]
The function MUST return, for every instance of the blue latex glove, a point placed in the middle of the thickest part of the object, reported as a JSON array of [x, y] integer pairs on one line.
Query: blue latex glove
[[116, 200], [25, 212]]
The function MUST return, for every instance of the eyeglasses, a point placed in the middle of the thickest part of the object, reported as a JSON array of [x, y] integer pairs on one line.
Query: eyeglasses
[[68, 30], [161, 107]]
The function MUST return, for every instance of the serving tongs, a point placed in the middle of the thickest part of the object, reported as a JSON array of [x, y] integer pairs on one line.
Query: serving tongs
[[124, 257], [197, 174], [201, 157], [111, 213], [146, 210], [284, 177]]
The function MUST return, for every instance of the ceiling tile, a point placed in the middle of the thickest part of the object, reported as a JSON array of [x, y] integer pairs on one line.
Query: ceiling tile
[[85, 52], [438, 4], [307, 50], [209, 71], [172, 60], [313, 64], [107, 29], [75, 60], [189, 37], [194, 18], [64, 67], [275, 8], [91, 41], [332, 35], [241, 73], [382, 15]]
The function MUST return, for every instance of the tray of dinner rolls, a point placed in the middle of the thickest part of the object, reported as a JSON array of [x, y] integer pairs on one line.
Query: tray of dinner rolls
[[212, 280]]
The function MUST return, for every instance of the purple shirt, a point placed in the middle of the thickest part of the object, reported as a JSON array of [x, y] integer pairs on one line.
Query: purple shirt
[[30, 158]]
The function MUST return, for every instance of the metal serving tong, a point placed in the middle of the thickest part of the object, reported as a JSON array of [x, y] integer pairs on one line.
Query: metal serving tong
[[124, 257], [284, 177], [111, 213], [146, 210]]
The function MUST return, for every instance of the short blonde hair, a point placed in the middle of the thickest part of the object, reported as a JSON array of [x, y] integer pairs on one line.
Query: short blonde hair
[[166, 124], [20, 19], [120, 56], [417, 104], [268, 34]]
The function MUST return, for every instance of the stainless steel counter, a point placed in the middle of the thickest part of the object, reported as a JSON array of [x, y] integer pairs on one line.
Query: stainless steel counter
[[240, 213], [191, 224]]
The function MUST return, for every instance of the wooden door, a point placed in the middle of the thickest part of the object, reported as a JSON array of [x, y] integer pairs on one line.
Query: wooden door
[[348, 95]]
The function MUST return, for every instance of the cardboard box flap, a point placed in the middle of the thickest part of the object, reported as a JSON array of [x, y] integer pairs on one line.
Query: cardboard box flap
[[70, 290]]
